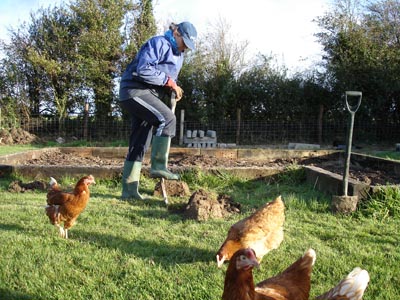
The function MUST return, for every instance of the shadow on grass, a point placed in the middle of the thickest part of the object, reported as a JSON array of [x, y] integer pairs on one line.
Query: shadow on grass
[[148, 198], [160, 252], [15, 295], [102, 196], [11, 227]]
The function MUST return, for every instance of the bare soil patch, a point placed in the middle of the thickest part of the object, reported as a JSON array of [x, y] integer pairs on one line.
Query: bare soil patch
[[364, 174]]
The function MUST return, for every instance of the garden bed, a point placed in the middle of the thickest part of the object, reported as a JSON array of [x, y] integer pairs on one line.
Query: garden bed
[[324, 168]]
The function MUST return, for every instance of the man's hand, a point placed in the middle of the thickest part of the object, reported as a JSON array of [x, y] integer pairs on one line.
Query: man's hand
[[173, 86], [179, 93]]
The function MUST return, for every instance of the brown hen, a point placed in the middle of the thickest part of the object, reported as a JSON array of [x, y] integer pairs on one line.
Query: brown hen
[[262, 231], [292, 284], [65, 207]]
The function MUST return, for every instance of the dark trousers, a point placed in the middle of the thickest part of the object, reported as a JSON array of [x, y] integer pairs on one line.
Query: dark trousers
[[147, 112]]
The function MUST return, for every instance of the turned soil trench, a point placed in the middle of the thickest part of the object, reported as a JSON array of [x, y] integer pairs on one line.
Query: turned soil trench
[[365, 171]]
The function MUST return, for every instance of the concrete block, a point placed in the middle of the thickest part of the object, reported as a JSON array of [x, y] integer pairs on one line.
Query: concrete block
[[201, 133], [211, 133], [344, 204], [302, 146]]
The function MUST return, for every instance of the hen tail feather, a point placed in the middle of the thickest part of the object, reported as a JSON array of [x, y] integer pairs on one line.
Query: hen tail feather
[[352, 287]]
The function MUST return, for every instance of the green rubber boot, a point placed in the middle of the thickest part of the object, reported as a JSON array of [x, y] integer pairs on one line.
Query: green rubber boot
[[159, 158], [130, 180]]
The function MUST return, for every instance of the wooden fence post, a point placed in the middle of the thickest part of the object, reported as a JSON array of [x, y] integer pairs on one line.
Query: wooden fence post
[[86, 120], [238, 121]]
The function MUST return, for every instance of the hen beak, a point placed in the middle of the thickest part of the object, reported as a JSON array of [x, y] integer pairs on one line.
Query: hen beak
[[249, 263], [220, 261], [92, 179]]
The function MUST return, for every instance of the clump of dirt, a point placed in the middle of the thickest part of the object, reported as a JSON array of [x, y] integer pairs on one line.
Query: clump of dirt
[[228, 204], [20, 187], [17, 136], [204, 205], [173, 188]]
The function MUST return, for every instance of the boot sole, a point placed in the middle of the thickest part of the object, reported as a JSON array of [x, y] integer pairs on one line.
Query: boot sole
[[158, 175]]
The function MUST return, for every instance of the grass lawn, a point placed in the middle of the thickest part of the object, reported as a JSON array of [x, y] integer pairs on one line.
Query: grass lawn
[[142, 250], [10, 149]]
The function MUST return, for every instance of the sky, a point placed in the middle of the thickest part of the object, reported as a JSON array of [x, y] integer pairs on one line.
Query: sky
[[283, 28]]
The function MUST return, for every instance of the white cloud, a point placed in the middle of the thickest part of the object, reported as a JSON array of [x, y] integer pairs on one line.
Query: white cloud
[[283, 27]]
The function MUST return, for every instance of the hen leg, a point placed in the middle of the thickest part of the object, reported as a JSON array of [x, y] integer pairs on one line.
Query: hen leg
[[66, 234], [60, 230]]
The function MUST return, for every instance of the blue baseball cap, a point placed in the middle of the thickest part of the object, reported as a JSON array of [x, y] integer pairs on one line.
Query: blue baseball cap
[[188, 33]]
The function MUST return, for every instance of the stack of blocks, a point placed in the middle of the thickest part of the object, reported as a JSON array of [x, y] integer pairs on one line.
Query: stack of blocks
[[197, 139]]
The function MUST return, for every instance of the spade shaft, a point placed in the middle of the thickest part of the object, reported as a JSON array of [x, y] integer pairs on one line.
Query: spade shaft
[[352, 110], [162, 181]]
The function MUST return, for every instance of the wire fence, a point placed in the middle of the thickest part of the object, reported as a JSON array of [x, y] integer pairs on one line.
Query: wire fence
[[247, 132]]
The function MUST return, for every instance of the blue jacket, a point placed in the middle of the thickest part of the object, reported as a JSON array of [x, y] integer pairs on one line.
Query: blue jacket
[[153, 64]]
